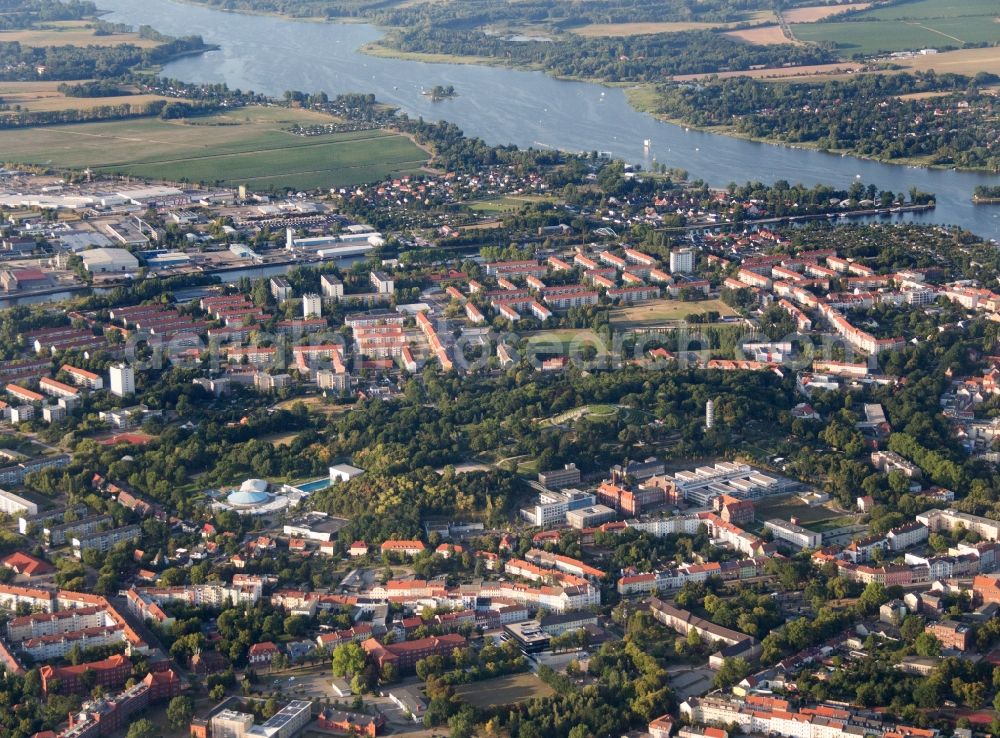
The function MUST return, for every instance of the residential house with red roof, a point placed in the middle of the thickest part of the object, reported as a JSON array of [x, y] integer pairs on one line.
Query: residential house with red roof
[[261, 655]]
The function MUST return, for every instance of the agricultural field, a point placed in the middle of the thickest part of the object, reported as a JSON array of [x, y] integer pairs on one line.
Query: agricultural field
[[963, 61], [782, 73], [658, 312], [73, 33], [506, 690], [594, 30], [760, 36], [814, 13], [908, 26], [45, 97], [933, 9], [246, 146]]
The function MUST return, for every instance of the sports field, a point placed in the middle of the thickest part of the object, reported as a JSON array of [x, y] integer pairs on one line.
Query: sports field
[[908, 26], [505, 204], [246, 146], [565, 340], [506, 690]]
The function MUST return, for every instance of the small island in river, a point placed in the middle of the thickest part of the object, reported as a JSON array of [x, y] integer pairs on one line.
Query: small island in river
[[986, 195], [440, 92]]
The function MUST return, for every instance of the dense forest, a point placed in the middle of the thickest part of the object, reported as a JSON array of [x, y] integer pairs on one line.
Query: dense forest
[[28, 63], [631, 59], [162, 108], [472, 13], [93, 88], [468, 13], [872, 115], [986, 192]]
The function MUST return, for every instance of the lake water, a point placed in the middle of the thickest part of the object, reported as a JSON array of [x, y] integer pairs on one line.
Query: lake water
[[503, 106]]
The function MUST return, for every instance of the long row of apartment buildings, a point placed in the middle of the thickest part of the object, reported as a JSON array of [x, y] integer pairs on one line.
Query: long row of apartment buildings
[[760, 715]]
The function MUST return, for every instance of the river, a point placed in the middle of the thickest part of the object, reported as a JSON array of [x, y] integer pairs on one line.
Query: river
[[502, 106]]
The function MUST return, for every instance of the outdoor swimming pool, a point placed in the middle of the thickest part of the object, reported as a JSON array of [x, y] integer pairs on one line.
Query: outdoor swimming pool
[[315, 485]]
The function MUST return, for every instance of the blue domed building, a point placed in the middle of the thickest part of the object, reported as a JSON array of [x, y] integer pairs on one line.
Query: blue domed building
[[251, 493]]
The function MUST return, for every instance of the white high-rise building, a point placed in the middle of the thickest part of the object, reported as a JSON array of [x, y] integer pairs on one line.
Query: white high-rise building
[[122, 380], [709, 414], [332, 286], [312, 305], [681, 260]]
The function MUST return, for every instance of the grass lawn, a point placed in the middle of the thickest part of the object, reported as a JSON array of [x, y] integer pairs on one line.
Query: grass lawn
[[823, 526], [565, 341], [666, 310], [526, 465], [377, 49], [316, 404], [507, 204], [644, 97], [599, 412], [506, 690], [279, 439], [246, 146]]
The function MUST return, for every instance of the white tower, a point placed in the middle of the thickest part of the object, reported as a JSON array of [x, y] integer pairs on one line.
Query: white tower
[[312, 305], [122, 380], [289, 239], [709, 414]]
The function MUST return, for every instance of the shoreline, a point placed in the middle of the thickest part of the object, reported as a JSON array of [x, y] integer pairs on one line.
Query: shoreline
[[633, 92], [262, 13]]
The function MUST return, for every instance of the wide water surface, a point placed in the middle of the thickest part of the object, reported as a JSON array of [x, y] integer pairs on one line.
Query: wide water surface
[[503, 106]]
